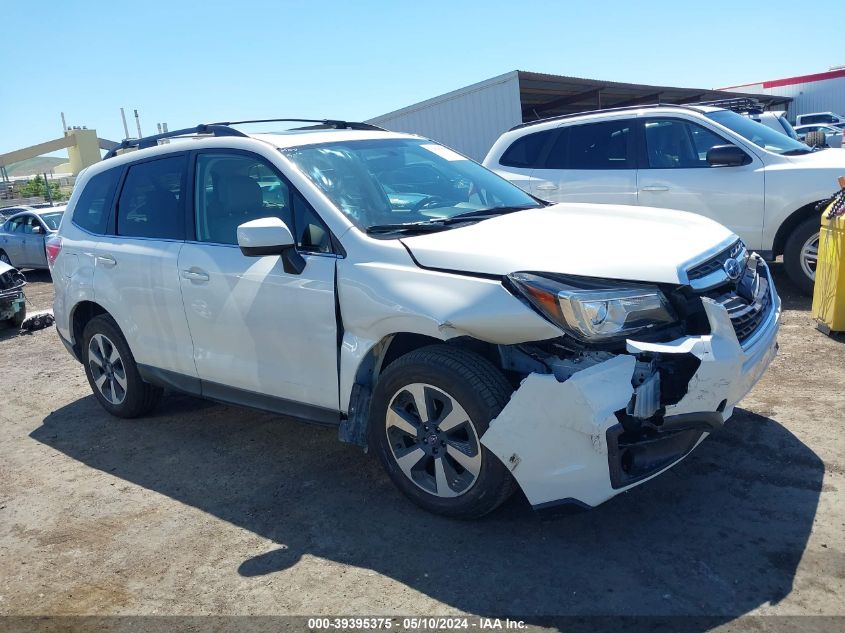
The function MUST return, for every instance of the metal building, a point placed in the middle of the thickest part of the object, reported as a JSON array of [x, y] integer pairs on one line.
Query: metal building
[[472, 118], [821, 92]]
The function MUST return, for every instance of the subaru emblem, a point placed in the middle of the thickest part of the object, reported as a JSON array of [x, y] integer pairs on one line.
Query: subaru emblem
[[732, 268]]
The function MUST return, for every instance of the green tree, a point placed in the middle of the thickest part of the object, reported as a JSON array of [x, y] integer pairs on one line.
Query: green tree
[[37, 187]]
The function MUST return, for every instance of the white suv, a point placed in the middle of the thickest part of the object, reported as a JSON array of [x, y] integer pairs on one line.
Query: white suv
[[760, 183], [468, 334]]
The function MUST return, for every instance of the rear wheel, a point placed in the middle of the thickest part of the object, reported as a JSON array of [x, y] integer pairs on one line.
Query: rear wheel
[[430, 409], [112, 372], [5, 258], [801, 254]]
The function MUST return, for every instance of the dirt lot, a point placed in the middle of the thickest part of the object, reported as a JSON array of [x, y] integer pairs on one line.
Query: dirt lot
[[206, 509]]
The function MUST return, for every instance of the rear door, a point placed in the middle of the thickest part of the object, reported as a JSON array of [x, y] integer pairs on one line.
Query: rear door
[[135, 274], [590, 162], [518, 162], [13, 241], [675, 174], [262, 336]]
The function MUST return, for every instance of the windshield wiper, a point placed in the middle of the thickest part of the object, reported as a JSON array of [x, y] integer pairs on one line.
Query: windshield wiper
[[408, 227], [438, 224], [798, 152], [482, 214]]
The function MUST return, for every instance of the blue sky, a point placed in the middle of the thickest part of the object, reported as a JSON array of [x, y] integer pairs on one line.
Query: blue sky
[[188, 62]]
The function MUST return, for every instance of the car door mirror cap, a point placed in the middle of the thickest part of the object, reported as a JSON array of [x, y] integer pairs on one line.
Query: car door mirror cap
[[727, 156], [270, 236]]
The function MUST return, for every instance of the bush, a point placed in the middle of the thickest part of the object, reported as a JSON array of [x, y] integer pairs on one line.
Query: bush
[[38, 187]]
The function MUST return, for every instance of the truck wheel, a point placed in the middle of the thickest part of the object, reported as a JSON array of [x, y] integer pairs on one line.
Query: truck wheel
[[112, 372], [801, 254], [429, 411]]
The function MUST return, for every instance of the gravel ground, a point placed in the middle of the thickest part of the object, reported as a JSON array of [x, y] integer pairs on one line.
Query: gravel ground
[[208, 509]]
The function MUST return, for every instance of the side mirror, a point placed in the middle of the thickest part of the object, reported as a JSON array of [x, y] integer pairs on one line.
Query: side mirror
[[270, 236], [36, 229], [727, 156]]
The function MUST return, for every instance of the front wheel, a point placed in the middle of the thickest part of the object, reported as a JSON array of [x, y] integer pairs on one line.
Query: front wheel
[[801, 254], [112, 372], [430, 409]]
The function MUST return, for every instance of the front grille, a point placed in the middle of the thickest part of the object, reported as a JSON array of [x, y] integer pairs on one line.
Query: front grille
[[715, 263], [746, 315]]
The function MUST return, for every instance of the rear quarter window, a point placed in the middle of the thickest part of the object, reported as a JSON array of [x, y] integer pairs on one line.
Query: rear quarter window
[[94, 205]]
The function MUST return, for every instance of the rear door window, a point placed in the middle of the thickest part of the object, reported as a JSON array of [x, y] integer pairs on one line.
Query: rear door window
[[152, 202], [93, 208], [606, 145], [526, 151]]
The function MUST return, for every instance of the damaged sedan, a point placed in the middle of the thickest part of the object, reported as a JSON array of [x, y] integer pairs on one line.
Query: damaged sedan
[[12, 300], [475, 338]]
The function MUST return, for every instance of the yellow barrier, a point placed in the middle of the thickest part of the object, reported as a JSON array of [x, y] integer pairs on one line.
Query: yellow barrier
[[829, 291]]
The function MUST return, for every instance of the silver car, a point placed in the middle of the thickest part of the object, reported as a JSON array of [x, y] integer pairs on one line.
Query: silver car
[[832, 133], [23, 236]]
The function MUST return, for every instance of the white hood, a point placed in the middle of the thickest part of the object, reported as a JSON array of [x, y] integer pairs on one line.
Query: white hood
[[594, 240], [4, 268], [833, 157]]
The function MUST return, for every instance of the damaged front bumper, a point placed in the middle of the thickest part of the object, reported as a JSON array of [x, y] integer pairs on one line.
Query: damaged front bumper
[[579, 440], [12, 300]]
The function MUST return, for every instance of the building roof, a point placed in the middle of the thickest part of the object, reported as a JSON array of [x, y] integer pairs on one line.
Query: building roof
[[833, 73], [543, 95]]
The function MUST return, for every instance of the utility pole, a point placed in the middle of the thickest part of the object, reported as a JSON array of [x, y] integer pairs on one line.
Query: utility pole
[[125, 127], [47, 189]]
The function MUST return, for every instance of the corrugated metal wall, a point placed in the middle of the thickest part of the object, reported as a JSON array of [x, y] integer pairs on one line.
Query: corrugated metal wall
[[468, 120], [826, 95]]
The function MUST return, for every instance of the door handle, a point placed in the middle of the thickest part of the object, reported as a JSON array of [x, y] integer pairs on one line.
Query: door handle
[[654, 188], [547, 186], [106, 260], [195, 275]]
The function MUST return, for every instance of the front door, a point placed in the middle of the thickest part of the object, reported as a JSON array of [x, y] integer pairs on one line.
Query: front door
[[675, 174], [262, 336]]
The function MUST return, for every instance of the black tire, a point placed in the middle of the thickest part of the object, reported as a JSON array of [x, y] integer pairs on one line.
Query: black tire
[[792, 254], [816, 139], [19, 318], [139, 397], [5, 258], [481, 390]]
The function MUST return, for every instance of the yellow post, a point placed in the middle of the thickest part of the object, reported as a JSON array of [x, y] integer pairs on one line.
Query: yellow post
[[829, 291]]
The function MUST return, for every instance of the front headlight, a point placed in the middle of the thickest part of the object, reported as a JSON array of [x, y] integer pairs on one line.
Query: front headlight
[[595, 310]]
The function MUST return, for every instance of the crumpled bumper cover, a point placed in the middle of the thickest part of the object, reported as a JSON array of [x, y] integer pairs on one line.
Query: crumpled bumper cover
[[562, 440]]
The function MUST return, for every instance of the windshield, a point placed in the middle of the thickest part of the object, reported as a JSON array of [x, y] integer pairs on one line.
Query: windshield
[[757, 133], [788, 129], [52, 220], [399, 181]]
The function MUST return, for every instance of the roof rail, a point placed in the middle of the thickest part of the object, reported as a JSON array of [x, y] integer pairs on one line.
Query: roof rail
[[151, 141], [602, 111], [334, 124], [224, 128]]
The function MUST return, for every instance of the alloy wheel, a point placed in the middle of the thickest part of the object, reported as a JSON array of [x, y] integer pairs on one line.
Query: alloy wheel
[[810, 256], [433, 440], [107, 369]]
